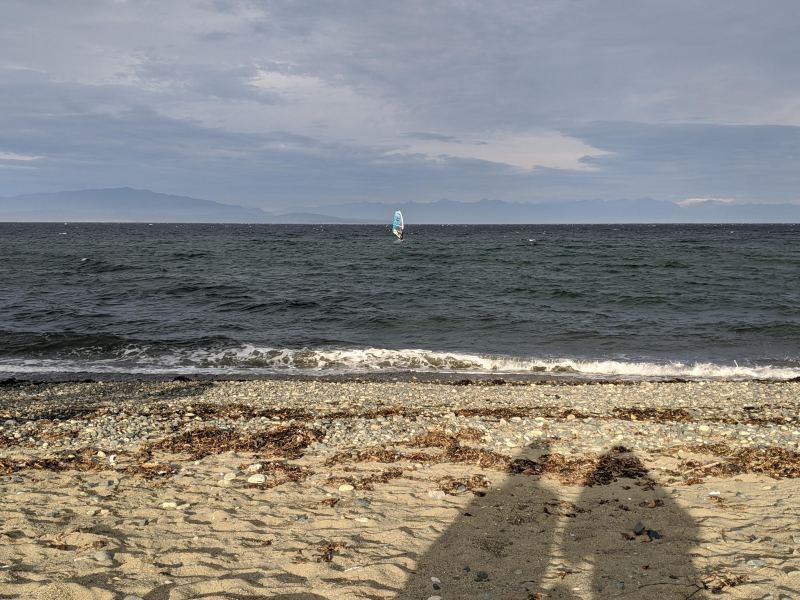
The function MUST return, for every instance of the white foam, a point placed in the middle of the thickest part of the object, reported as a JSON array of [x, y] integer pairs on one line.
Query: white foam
[[256, 360]]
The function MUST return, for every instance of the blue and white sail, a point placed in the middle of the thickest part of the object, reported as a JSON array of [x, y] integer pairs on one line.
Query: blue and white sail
[[397, 224]]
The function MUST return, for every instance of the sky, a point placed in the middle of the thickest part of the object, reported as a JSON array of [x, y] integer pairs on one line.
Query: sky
[[290, 104]]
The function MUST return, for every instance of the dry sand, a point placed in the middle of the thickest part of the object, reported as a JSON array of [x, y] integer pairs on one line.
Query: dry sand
[[294, 490]]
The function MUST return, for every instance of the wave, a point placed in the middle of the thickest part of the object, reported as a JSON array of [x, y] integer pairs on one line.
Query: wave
[[254, 360]]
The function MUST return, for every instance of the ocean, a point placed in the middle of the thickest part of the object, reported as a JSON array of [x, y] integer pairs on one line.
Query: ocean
[[599, 302]]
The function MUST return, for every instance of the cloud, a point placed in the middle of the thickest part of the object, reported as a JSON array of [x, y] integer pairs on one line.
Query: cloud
[[18, 157], [278, 101], [546, 149], [694, 201]]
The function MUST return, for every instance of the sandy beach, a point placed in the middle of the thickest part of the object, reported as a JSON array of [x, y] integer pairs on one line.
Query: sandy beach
[[407, 490]]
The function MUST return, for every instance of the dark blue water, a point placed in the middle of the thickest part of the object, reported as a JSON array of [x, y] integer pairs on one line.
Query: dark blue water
[[631, 300]]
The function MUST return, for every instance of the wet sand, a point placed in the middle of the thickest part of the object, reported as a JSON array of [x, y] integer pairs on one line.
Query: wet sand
[[298, 489]]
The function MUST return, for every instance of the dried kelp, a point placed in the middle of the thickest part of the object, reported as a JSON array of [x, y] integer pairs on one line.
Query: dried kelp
[[278, 473], [680, 415], [593, 469], [457, 485], [779, 463], [287, 441], [368, 482]]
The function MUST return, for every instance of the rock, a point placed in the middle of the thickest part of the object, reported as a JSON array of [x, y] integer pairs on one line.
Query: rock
[[756, 562], [169, 505], [481, 576], [257, 478], [639, 528], [436, 494], [103, 556], [653, 535], [254, 468], [361, 502], [346, 487], [229, 476], [131, 597], [704, 428]]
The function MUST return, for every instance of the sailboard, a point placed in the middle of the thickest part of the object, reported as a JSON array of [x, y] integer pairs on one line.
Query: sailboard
[[397, 224]]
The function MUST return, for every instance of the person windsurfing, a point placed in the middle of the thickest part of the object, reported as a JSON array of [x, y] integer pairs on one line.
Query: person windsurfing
[[397, 225]]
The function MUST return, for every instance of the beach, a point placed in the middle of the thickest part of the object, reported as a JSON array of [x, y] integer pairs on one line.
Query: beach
[[356, 489]]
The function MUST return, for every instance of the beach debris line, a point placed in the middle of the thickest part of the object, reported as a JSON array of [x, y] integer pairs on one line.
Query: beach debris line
[[288, 441], [365, 483], [453, 486]]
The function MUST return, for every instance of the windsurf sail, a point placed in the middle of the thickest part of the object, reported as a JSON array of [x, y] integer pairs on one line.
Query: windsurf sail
[[397, 224]]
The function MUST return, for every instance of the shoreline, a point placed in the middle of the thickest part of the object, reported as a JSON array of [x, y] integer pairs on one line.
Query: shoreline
[[394, 489], [443, 378]]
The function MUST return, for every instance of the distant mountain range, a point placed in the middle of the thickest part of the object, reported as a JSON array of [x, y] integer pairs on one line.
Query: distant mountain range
[[643, 210], [123, 205], [132, 205]]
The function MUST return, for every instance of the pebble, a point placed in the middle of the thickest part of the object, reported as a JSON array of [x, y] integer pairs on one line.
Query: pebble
[[436, 494], [257, 478], [361, 502], [229, 476], [254, 468], [756, 562], [103, 556], [481, 576], [130, 597], [346, 487], [169, 505]]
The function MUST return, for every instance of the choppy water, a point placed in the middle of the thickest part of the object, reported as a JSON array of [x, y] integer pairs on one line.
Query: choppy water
[[599, 301]]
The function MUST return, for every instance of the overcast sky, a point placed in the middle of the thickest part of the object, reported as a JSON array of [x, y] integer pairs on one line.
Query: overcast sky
[[285, 104]]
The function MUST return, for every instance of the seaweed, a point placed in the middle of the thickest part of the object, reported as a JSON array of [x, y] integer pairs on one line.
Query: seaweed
[[278, 473], [287, 441], [778, 463], [456, 485], [368, 482], [680, 415]]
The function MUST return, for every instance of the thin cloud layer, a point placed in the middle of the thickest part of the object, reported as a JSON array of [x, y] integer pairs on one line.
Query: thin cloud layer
[[278, 104]]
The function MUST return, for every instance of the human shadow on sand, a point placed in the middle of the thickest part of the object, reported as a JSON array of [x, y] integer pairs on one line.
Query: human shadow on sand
[[608, 531]]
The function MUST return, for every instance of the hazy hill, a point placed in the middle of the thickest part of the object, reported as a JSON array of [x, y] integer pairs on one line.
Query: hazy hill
[[132, 205], [643, 210], [124, 205]]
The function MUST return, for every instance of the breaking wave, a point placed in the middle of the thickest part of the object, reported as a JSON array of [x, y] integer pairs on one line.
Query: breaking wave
[[252, 360]]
